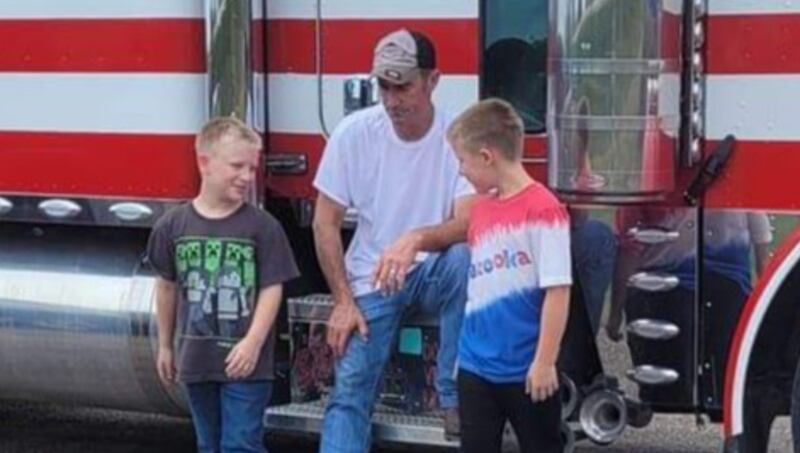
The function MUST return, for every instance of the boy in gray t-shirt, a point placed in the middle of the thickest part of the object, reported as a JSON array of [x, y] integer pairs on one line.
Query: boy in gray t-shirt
[[221, 264]]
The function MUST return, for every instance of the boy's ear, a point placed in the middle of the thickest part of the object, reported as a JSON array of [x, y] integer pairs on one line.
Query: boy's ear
[[202, 161], [486, 155]]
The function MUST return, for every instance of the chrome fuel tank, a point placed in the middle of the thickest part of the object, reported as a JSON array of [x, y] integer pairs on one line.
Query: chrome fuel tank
[[77, 321]]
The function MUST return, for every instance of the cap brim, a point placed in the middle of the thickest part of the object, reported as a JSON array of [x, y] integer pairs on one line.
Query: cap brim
[[395, 75]]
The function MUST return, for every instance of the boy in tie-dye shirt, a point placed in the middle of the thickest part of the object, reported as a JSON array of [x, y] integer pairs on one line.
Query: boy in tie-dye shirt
[[518, 290]]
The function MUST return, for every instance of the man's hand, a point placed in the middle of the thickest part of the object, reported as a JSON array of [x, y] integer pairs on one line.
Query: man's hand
[[345, 318], [541, 382], [393, 265], [165, 365], [243, 358]]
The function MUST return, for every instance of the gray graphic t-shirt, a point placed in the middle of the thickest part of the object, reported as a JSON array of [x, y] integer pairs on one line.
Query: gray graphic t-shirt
[[219, 266]]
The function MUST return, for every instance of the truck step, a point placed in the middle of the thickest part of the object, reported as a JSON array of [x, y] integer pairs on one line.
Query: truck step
[[388, 424]]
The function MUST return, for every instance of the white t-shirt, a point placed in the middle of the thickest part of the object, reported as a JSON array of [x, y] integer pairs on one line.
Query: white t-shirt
[[394, 185]]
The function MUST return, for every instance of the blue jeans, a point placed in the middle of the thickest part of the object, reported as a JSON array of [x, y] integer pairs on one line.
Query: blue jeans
[[594, 251], [439, 285], [228, 416]]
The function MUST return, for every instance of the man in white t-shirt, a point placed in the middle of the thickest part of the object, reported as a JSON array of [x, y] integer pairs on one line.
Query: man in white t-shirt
[[392, 163]]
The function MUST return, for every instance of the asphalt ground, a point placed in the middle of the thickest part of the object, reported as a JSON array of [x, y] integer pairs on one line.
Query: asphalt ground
[[28, 427]]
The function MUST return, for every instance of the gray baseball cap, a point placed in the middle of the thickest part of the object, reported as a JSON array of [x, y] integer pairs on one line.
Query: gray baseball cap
[[401, 54]]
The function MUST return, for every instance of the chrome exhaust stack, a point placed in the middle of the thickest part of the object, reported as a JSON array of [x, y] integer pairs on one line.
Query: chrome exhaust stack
[[603, 415]]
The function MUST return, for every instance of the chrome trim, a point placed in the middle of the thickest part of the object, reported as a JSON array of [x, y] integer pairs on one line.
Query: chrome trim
[[318, 71], [230, 79], [228, 55], [699, 7], [699, 35], [5, 205], [360, 92], [92, 211], [693, 83], [653, 329], [614, 100], [591, 66], [603, 416], [611, 124], [652, 236], [534, 160], [287, 163], [651, 282], [312, 307], [131, 212], [578, 196], [77, 322], [60, 208], [653, 375]]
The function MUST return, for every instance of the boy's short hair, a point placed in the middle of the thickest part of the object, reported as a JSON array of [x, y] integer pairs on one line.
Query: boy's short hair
[[491, 123], [225, 128]]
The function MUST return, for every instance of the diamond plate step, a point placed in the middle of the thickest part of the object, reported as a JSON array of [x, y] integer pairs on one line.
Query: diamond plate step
[[389, 425]]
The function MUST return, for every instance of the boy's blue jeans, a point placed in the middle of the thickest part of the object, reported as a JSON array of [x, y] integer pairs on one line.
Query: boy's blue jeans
[[228, 416], [438, 285]]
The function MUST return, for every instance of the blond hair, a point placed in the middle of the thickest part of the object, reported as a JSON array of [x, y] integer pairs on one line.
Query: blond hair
[[225, 129], [491, 123]]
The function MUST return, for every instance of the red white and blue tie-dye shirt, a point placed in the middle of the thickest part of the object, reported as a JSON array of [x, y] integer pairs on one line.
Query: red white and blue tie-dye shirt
[[520, 247]]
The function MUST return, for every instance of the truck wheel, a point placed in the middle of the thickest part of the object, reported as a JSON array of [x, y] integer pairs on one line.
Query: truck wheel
[[796, 409], [568, 437]]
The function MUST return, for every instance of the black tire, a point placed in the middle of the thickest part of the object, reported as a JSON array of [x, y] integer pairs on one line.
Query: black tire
[[568, 437], [796, 409]]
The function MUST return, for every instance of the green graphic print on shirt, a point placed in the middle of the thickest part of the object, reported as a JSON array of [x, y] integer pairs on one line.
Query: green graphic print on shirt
[[218, 276]]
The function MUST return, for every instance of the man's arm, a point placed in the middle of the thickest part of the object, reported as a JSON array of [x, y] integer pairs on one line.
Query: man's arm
[[165, 319], [327, 225], [346, 316], [454, 229], [243, 358], [390, 273], [542, 381]]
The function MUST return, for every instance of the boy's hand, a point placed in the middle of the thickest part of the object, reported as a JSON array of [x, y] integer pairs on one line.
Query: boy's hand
[[390, 273], [243, 358], [541, 382], [165, 365], [345, 318]]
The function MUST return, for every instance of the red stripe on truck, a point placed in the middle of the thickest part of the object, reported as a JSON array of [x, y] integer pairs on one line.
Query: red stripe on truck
[[347, 44], [81, 164], [102, 45], [753, 44], [760, 175]]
